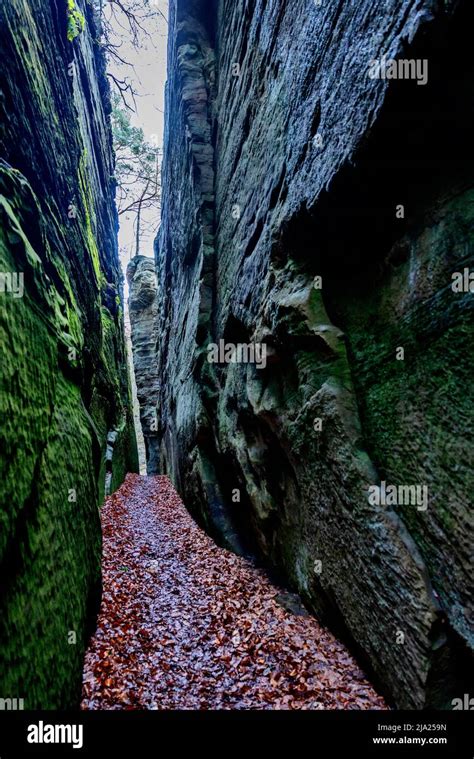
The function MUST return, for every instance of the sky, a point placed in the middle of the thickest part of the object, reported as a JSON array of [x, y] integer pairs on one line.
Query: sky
[[148, 76]]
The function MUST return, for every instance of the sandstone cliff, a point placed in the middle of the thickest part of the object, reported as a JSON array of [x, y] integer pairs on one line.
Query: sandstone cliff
[[143, 307], [64, 394], [285, 163]]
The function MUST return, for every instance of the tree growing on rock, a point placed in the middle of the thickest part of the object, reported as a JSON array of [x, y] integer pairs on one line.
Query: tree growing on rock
[[137, 173], [126, 24]]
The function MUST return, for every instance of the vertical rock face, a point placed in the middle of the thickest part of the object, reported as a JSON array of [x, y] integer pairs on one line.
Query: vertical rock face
[[63, 381], [143, 308], [322, 212]]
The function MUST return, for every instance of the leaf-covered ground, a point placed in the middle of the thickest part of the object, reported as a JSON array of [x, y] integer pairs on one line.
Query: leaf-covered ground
[[185, 624]]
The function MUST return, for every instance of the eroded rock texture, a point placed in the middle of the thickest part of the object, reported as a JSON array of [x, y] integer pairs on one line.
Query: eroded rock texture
[[143, 308], [63, 380], [285, 161]]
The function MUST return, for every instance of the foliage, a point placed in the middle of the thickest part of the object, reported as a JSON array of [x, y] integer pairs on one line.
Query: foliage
[[136, 169], [75, 21], [186, 624], [127, 24]]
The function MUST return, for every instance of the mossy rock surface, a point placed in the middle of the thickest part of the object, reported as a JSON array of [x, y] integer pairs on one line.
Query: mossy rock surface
[[63, 378]]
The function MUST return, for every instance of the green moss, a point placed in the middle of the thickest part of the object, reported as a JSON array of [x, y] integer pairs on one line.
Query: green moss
[[109, 349], [55, 565], [125, 456], [75, 21], [52, 442], [88, 205], [416, 412], [27, 42], [48, 543], [73, 335], [55, 410]]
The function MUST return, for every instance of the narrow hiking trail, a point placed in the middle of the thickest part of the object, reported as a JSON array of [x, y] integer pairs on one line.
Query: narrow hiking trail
[[185, 624]]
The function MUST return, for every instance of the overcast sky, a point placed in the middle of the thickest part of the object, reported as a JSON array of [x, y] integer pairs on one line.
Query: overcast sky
[[148, 76]]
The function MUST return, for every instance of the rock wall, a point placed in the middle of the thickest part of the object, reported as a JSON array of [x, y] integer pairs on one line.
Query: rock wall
[[322, 212], [64, 389], [143, 309]]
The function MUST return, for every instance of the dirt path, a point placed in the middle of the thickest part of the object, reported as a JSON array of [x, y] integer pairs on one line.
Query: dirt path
[[185, 624]]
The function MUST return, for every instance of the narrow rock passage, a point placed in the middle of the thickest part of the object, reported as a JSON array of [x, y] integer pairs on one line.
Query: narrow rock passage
[[185, 624]]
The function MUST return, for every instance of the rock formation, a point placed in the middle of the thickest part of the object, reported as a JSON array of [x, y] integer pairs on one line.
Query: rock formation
[[321, 211], [64, 388], [143, 309]]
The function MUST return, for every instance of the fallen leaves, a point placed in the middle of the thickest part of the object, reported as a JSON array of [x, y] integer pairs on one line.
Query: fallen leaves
[[185, 624]]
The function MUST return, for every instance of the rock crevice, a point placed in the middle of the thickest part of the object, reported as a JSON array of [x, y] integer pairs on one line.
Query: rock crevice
[[322, 212], [63, 383]]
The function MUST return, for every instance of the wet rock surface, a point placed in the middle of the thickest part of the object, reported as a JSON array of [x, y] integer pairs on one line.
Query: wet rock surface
[[63, 377], [294, 164], [143, 311]]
